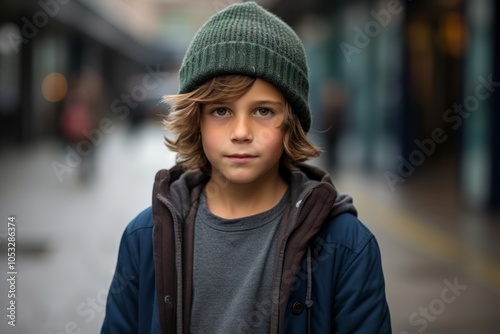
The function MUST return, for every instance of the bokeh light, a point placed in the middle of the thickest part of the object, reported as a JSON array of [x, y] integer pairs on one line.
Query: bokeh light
[[54, 87]]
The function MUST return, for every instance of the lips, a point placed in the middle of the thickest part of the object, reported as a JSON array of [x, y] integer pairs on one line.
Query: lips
[[241, 158]]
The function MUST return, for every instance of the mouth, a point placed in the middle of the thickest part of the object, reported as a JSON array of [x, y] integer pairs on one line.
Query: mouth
[[241, 158]]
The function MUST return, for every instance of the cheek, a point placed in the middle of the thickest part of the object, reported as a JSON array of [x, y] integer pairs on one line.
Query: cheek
[[271, 134], [271, 140], [266, 137], [211, 141], [208, 144]]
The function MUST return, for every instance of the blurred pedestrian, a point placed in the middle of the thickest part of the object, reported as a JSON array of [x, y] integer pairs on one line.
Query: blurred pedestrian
[[242, 235], [332, 97], [77, 119], [79, 115]]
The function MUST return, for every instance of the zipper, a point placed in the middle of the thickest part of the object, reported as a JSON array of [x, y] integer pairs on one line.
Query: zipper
[[280, 260], [178, 260]]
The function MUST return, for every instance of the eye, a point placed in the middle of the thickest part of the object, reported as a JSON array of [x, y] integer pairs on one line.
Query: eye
[[263, 112], [220, 112]]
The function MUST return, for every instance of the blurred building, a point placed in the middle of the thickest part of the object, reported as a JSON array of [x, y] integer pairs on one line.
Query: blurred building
[[418, 88], [111, 41], [404, 89]]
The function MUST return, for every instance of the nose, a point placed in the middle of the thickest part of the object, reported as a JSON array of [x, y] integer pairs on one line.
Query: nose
[[242, 129]]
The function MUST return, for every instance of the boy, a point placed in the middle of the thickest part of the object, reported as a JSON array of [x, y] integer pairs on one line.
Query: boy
[[242, 236]]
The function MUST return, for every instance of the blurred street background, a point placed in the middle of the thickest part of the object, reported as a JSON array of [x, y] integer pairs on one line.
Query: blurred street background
[[405, 98]]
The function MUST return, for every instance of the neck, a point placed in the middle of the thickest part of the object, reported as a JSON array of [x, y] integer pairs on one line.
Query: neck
[[232, 200]]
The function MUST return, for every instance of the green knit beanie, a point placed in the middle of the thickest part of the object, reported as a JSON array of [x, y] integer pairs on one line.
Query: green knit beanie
[[247, 39]]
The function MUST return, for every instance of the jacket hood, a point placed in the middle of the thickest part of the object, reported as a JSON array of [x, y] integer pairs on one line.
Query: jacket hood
[[309, 176]]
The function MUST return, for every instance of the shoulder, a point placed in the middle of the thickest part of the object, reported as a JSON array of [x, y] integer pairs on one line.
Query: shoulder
[[346, 231], [137, 240], [143, 222], [350, 241]]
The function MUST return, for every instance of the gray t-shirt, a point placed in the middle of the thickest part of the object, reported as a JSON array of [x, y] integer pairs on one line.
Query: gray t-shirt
[[233, 269]]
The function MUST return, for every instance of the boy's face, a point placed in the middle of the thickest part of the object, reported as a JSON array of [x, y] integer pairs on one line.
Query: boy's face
[[242, 139]]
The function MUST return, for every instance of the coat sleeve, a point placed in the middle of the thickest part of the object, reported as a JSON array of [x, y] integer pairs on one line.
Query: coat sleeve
[[122, 304], [360, 302]]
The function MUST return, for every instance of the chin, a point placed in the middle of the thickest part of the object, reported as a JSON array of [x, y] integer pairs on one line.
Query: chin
[[240, 179], [244, 174]]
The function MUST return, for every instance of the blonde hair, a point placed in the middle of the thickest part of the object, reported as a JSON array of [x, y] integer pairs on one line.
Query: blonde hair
[[183, 122]]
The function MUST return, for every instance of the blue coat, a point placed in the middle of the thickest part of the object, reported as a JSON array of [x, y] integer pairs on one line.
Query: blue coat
[[331, 279]]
